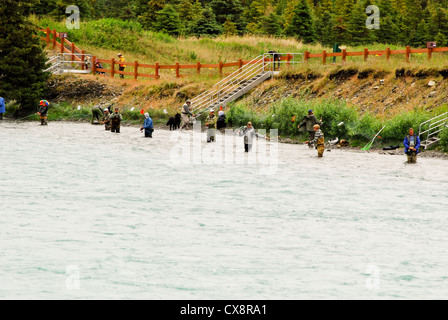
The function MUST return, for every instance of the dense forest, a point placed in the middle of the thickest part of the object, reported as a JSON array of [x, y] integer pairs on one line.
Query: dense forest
[[403, 22]]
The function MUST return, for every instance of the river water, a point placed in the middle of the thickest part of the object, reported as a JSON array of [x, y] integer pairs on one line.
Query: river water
[[88, 214]]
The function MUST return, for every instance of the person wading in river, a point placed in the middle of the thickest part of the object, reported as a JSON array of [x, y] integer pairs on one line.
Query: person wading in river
[[106, 119], [318, 140], [148, 126], [2, 107], [43, 112], [211, 126], [185, 115], [249, 133], [116, 119], [307, 124], [411, 145], [97, 112]]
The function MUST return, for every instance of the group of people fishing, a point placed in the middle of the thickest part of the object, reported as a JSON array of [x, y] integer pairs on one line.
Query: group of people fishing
[[309, 123], [112, 120]]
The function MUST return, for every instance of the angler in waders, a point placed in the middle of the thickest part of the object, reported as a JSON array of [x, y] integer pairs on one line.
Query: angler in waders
[[211, 126], [249, 133], [106, 120], [307, 124], [2, 107], [318, 140], [115, 119], [411, 145], [43, 112], [185, 115], [97, 112], [148, 126]]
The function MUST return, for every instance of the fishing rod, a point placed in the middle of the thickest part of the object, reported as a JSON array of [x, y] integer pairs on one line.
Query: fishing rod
[[368, 145]]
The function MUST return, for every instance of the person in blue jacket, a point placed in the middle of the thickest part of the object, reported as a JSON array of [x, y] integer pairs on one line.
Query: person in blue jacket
[[411, 145], [148, 126], [2, 107]]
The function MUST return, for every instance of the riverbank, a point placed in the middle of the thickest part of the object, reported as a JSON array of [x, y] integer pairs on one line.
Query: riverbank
[[377, 148]]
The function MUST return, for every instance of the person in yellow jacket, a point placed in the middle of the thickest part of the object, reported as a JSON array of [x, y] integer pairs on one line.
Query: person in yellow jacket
[[210, 122], [121, 66], [318, 140]]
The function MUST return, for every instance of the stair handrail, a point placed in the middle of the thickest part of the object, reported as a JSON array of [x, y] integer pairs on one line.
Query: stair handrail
[[223, 85], [434, 124], [420, 132]]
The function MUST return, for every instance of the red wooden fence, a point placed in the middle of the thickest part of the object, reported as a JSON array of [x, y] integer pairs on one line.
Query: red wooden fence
[[63, 45]]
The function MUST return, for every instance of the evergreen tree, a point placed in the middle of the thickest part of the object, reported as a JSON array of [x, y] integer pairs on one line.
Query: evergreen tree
[[271, 24], [441, 40], [342, 10], [388, 31], [147, 11], [229, 28], [324, 26], [410, 19], [359, 33], [206, 24], [168, 21], [302, 23], [420, 36], [22, 60]]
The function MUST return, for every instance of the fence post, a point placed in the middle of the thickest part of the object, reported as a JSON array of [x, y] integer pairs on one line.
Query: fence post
[[177, 70], [366, 54], [157, 71], [429, 54], [408, 53], [135, 70], [288, 59], [54, 39], [240, 64], [220, 68], [306, 56], [47, 31], [62, 45], [93, 65], [198, 67], [73, 52], [82, 59], [344, 55], [112, 68], [387, 54], [324, 57]]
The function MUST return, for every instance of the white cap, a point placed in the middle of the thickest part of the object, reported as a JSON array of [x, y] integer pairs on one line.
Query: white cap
[[220, 113], [211, 110], [105, 109]]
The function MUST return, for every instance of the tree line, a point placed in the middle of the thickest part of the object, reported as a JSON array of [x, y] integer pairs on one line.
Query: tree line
[[402, 22]]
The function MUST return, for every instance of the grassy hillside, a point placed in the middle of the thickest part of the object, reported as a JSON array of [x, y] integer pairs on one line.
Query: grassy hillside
[[105, 38]]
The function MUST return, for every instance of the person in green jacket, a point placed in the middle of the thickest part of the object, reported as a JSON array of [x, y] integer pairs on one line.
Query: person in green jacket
[[210, 122], [97, 112], [116, 119], [307, 125]]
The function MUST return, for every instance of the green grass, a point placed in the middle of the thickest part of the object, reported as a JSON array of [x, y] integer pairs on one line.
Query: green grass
[[339, 120]]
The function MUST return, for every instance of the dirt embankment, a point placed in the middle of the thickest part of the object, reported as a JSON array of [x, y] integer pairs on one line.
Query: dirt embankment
[[378, 91]]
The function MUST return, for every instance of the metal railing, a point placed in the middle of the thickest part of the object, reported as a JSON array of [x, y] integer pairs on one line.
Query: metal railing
[[431, 128], [220, 89], [241, 78], [70, 62]]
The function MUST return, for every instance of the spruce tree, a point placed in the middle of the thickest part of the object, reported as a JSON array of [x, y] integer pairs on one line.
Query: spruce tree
[[206, 24], [302, 23], [359, 33], [168, 21], [147, 11], [22, 59]]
